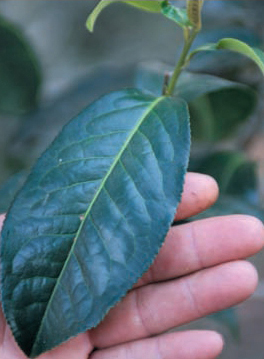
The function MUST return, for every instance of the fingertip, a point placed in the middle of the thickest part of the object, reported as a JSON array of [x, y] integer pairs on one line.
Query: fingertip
[[200, 344], [200, 192], [215, 342], [249, 273], [255, 229], [239, 281]]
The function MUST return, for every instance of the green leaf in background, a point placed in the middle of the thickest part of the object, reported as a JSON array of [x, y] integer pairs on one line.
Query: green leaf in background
[[234, 173], [19, 72], [217, 106], [219, 114], [175, 14], [237, 180], [152, 6], [228, 205], [229, 319], [92, 216], [236, 46]]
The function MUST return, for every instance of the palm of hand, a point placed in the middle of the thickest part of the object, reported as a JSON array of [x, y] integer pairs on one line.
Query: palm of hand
[[198, 271]]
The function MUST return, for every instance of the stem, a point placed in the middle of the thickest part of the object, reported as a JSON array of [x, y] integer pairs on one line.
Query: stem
[[182, 61]]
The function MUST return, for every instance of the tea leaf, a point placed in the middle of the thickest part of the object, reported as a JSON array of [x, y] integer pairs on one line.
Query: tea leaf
[[92, 216], [152, 6], [237, 46]]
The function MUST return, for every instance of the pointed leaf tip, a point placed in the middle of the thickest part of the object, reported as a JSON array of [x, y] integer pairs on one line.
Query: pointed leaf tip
[[96, 12]]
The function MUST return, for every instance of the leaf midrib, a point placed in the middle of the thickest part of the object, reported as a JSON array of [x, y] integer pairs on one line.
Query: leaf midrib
[[116, 160]]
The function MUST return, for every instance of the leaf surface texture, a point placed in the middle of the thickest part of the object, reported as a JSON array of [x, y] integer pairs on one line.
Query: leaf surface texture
[[92, 216]]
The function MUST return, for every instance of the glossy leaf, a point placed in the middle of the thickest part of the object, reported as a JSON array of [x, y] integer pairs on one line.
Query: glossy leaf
[[19, 71], [152, 6], [92, 215], [237, 46], [176, 14]]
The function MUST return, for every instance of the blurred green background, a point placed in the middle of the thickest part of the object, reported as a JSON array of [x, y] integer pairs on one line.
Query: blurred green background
[[51, 67]]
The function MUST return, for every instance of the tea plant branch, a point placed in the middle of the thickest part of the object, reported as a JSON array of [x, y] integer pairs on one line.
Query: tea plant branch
[[181, 63], [194, 9]]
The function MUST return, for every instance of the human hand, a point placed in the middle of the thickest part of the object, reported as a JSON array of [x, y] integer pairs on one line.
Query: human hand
[[198, 271]]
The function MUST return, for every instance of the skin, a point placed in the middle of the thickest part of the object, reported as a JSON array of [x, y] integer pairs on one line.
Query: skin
[[199, 270]]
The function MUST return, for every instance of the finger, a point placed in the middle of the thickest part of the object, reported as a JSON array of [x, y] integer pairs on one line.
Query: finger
[[200, 192], [155, 308], [183, 345], [205, 243]]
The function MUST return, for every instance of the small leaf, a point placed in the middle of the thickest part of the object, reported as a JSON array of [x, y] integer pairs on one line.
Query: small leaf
[[242, 48], [152, 6], [175, 14], [237, 46], [19, 72], [92, 216], [222, 61]]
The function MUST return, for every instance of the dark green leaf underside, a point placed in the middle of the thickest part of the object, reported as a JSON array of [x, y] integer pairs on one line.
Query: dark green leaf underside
[[92, 216]]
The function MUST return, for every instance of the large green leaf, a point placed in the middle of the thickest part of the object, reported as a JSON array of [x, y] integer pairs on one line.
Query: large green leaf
[[19, 71], [152, 6], [92, 215]]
